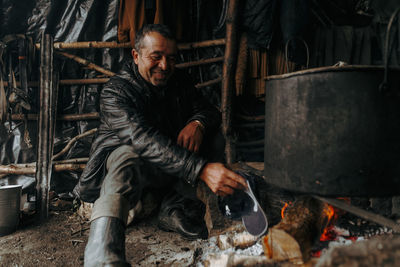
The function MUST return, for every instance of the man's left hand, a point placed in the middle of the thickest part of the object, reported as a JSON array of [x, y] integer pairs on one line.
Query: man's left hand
[[191, 136]]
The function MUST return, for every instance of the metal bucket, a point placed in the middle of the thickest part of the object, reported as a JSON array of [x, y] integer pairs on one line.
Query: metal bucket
[[333, 131], [10, 197]]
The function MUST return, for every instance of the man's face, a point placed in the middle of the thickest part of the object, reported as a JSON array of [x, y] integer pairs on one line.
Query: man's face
[[156, 60]]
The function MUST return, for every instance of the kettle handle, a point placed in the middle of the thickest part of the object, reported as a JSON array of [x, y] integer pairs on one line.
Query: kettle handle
[[287, 48], [383, 87]]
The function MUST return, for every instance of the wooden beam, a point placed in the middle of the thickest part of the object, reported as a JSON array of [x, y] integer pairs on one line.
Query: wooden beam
[[67, 117], [95, 44], [199, 62], [228, 84], [47, 114], [87, 64]]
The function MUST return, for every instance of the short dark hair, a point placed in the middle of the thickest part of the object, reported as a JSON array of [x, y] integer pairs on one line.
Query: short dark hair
[[148, 28]]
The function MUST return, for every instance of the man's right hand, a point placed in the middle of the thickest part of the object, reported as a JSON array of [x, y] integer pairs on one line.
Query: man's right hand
[[221, 180]]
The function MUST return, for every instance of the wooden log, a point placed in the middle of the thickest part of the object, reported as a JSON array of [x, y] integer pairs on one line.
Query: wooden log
[[199, 62], [207, 43], [251, 118], [72, 141], [104, 80], [46, 125], [236, 260], [95, 44], [66, 117], [30, 168], [208, 83], [84, 81], [89, 44], [377, 251], [87, 64], [303, 223], [234, 239], [241, 68], [215, 222], [228, 84]]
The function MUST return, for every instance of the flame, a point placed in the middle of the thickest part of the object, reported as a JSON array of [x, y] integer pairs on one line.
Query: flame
[[267, 247], [283, 210], [329, 211], [328, 233]]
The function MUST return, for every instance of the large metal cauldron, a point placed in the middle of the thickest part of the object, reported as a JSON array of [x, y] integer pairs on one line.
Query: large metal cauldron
[[331, 131]]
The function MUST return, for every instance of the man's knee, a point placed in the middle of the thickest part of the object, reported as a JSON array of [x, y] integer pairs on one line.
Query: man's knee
[[120, 156]]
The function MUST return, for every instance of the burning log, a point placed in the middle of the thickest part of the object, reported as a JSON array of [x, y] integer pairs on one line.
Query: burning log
[[302, 224]]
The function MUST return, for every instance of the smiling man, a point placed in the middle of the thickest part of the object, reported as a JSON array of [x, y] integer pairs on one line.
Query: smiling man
[[154, 134]]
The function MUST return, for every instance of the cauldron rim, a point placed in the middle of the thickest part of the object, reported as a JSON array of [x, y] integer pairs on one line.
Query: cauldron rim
[[332, 69]]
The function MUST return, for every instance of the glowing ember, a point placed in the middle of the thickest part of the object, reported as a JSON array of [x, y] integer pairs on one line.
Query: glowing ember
[[328, 233], [329, 212], [283, 210]]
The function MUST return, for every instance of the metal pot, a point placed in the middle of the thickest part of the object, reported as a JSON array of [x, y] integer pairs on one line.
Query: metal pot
[[10, 197], [332, 131]]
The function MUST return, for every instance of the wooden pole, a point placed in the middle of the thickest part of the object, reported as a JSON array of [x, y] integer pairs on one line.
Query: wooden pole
[[48, 105], [72, 141], [104, 80], [228, 84], [199, 62], [67, 117], [19, 169], [95, 44], [87, 63], [208, 83]]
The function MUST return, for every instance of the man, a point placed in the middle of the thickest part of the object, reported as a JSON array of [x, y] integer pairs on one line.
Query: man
[[153, 126]]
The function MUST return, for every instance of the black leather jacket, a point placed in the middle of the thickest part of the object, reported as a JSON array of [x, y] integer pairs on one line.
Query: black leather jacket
[[148, 118]]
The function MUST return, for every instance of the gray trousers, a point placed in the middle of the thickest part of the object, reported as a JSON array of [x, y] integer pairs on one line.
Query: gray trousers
[[127, 176]]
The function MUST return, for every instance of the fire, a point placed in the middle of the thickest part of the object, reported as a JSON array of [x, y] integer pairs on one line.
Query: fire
[[283, 210], [330, 211], [328, 233]]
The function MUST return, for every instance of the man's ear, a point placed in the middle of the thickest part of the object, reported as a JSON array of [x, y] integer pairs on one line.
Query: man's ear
[[135, 56]]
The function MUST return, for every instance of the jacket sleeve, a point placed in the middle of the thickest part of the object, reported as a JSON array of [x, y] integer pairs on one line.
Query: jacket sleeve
[[124, 115]]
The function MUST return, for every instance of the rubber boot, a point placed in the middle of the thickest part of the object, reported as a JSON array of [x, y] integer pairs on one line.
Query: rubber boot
[[106, 244]]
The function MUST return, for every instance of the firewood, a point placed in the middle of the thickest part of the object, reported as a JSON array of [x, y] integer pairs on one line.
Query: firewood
[[303, 223], [236, 240], [231, 260]]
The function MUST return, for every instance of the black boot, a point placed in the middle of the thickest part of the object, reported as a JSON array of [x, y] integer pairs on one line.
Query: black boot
[[106, 244], [175, 220]]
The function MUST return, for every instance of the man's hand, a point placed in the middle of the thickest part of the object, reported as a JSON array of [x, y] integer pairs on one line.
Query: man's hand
[[191, 136], [221, 180]]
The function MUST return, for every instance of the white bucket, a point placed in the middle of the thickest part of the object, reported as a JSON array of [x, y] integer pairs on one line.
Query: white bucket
[[10, 197]]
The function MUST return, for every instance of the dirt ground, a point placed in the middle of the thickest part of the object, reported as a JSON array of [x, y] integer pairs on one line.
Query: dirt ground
[[61, 240]]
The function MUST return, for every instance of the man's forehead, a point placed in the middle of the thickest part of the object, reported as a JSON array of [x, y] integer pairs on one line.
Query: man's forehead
[[154, 41]]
